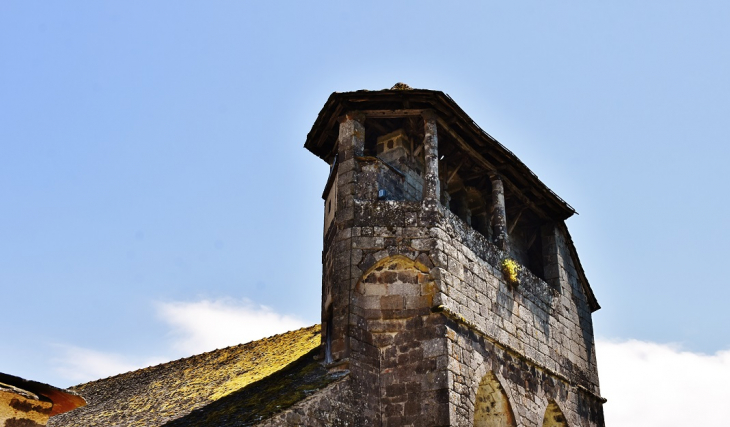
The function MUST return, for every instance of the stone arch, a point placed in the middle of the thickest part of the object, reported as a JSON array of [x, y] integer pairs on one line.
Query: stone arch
[[399, 261], [395, 287], [554, 417], [491, 406]]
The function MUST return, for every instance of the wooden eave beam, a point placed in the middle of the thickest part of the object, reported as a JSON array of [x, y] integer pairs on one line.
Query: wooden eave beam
[[378, 127], [374, 97], [476, 175], [330, 124], [458, 116], [391, 114]]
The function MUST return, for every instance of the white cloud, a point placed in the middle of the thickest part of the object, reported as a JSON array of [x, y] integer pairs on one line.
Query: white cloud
[[660, 385], [206, 325], [195, 327], [80, 364]]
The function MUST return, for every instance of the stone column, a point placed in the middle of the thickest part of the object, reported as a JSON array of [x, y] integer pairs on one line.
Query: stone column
[[432, 184], [350, 144], [555, 257], [499, 214], [337, 276], [351, 139]]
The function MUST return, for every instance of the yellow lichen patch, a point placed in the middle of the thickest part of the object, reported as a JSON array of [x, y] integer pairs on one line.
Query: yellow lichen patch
[[270, 358], [510, 270], [396, 262], [554, 416]]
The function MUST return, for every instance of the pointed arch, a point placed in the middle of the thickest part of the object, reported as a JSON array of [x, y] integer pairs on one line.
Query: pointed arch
[[554, 417], [492, 408]]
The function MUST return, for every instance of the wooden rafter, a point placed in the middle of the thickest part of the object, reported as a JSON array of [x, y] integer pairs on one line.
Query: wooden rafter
[[477, 157], [515, 221]]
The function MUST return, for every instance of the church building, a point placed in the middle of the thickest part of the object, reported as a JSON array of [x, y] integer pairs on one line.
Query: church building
[[452, 295]]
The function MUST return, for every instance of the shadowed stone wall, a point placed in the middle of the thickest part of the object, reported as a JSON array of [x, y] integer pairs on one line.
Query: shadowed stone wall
[[331, 407]]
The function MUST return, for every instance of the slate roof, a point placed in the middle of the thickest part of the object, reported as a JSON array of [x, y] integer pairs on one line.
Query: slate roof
[[238, 385]]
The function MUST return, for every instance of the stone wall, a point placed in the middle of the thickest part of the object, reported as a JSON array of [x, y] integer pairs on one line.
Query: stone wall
[[395, 171], [529, 335], [396, 150], [529, 388], [536, 337], [548, 323]]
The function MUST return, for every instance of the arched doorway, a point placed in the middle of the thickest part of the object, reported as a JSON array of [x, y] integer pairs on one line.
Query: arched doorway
[[492, 408], [554, 416]]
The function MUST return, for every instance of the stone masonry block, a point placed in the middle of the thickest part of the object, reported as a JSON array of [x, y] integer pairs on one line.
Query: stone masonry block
[[392, 302], [404, 288], [418, 302]]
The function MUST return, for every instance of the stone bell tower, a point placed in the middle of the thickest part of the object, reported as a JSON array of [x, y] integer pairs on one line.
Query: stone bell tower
[[452, 294]]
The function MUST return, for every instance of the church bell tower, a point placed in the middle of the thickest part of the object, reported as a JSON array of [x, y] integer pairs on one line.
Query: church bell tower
[[452, 293]]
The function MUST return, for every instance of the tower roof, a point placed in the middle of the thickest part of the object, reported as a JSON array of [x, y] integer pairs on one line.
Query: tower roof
[[455, 126]]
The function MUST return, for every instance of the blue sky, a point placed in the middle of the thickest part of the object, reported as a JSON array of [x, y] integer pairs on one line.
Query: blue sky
[[151, 157]]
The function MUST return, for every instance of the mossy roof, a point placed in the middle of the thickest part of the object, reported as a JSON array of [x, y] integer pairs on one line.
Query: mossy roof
[[203, 390]]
